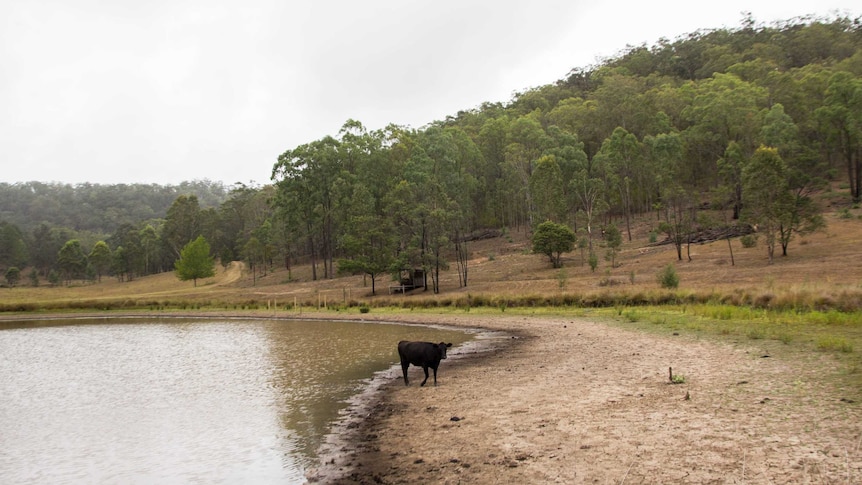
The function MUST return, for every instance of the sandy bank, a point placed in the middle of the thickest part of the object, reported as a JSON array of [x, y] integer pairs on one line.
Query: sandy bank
[[577, 401]]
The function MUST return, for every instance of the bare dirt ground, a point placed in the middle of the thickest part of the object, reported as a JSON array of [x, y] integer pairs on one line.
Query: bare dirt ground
[[577, 401]]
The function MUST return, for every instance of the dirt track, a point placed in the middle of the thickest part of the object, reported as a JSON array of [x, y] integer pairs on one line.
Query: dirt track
[[575, 401]]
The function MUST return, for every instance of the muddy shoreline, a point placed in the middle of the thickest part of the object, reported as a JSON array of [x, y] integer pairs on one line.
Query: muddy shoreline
[[352, 436]]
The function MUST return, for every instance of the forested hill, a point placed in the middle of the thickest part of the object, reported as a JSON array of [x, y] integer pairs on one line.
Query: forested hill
[[97, 208], [711, 129], [700, 121]]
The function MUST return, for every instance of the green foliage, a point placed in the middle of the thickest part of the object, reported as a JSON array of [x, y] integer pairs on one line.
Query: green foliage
[[767, 201], [97, 208], [748, 240], [182, 224], [613, 240], [13, 249], [546, 186], [195, 261], [668, 277], [13, 275], [833, 343], [100, 259], [34, 278], [562, 279], [72, 260], [594, 262], [552, 240]]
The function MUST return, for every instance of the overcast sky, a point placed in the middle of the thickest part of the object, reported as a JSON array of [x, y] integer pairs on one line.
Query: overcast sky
[[162, 91]]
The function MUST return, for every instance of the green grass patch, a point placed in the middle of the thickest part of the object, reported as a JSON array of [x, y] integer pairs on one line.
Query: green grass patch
[[833, 343], [796, 332]]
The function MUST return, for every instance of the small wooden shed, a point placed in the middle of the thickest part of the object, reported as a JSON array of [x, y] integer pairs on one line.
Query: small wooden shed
[[409, 279]]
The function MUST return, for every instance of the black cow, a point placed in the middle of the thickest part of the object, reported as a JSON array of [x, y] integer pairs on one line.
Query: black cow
[[424, 354]]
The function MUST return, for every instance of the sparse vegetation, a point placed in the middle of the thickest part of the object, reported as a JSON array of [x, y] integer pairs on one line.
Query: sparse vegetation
[[668, 277], [834, 343], [748, 241]]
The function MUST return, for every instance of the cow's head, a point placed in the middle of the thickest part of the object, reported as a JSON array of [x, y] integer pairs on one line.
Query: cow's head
[[443, 346]]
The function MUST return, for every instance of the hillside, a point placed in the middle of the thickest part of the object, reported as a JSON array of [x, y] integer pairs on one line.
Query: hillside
[[822, 267]]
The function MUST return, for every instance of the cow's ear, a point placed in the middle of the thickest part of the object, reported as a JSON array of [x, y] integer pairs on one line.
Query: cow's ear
[[449, 344]]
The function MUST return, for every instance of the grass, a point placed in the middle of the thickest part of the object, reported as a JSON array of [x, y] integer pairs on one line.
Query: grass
[[783, 332]]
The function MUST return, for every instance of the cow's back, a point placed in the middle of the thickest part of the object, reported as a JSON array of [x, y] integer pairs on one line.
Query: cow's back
[[419, 353]]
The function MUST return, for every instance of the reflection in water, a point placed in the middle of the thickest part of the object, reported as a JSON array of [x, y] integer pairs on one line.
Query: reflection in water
[[178, 401]]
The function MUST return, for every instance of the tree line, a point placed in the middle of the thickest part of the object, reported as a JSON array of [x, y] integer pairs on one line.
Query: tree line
[[746, 122]]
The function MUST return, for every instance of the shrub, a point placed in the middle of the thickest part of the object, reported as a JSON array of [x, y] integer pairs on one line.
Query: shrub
[[668, 277], [748, 241]]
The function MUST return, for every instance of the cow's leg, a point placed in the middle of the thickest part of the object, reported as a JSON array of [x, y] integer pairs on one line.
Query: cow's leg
[[425, 368], [435, 377], [404, 365]]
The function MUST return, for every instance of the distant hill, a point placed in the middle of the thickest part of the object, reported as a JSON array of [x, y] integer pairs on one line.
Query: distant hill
[[97, 208]]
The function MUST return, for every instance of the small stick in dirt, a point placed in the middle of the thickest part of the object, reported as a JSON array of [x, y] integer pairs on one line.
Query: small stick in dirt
[[627, 472], [670, 373]]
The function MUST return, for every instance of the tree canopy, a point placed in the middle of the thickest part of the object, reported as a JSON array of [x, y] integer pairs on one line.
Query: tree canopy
[[195, 261]]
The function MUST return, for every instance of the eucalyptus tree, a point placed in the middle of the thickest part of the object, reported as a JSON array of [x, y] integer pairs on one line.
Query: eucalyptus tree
[[494, 207], [546, 184], [677, 195], [253, 253], [119, 263], [623, 154], [461, 184], [581, 117], [13, 248], [589, 200], [526, 142], [304, 177], [730, 168], [131, 260], [182, 224], [44, 245], [71, 260], [368, 242], [568, 151], [767, 197], [149, 244], [724, 110], [621, 103], [263, 234], [235, 222], [841, 121], [100, 258], [806, 173], [438, 183]]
